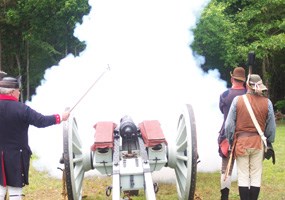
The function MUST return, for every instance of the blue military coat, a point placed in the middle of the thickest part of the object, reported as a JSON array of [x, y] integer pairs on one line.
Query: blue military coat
[[15, 152]]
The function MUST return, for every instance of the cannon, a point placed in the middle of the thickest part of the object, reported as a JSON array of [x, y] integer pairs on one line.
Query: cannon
[[130, 153]]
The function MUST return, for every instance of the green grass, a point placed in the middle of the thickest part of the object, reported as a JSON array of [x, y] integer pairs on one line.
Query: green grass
[[207, 186]]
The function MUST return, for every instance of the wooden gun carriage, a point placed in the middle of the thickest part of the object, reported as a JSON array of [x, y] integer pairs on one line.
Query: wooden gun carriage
[[130, 153]]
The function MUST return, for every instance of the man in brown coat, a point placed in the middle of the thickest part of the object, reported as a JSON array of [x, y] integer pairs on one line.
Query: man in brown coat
[[247, 143]]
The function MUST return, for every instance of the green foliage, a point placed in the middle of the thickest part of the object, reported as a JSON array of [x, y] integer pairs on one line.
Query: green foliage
[[228, 30], [214, 35], [12, 17], [39, 34], [280, 105]]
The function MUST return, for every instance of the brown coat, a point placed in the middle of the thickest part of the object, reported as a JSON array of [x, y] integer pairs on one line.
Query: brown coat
[[247, 136]]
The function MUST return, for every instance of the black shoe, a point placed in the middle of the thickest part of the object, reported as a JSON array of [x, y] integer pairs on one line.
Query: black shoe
[[225, 194]]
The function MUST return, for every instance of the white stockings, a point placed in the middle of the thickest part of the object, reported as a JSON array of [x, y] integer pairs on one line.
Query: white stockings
[[15, 193]]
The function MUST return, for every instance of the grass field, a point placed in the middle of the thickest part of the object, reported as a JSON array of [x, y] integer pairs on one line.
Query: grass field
[[207, 186]]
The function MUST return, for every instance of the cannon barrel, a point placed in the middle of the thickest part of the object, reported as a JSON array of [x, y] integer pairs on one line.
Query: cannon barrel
[[129, 133], [128, 129]]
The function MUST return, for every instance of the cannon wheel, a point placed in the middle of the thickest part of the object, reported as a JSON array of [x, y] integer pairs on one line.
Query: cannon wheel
[[73, 160], [186, 154]]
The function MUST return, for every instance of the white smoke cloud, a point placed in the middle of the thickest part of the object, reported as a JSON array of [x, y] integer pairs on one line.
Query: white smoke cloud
[[153, 74]]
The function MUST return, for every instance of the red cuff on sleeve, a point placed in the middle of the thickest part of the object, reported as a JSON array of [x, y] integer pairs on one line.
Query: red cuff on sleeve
[[57, 119], [3, 170]]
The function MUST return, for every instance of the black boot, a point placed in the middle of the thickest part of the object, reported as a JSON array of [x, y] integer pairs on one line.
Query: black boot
[[243, 193], [254, 192], [225, 194]]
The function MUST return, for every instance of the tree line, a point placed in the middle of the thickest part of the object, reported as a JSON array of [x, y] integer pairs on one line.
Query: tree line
[[34, 35], [229, 29]]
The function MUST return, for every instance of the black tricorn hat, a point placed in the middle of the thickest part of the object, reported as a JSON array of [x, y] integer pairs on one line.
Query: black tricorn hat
[[10, 82]]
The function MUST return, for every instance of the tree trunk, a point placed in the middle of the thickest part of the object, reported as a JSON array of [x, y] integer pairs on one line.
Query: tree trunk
[[28, 71], [0, 51], [66, 49], [75, 51], [19, 72], [265, 65]]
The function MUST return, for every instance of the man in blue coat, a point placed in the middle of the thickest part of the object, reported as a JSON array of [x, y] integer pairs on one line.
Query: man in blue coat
[[226, 98], [15, 153]]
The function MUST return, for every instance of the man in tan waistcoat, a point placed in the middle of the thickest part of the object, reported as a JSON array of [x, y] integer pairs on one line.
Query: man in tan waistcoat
[[244, 138]]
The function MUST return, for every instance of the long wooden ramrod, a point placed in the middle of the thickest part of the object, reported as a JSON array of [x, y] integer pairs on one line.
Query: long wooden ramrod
[[108, 68], [230, 162]]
